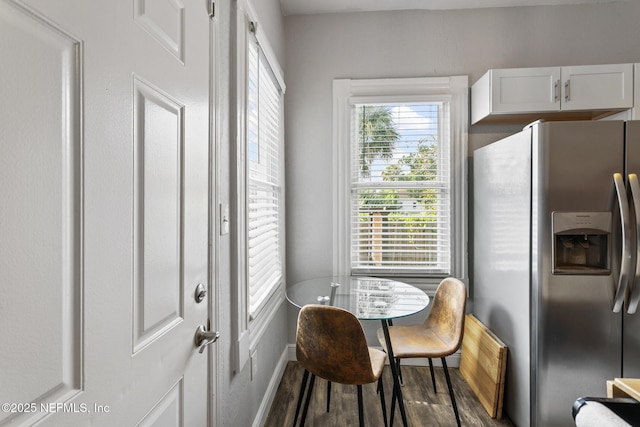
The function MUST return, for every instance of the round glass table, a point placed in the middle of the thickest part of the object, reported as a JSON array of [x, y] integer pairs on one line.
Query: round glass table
[[368, 298]]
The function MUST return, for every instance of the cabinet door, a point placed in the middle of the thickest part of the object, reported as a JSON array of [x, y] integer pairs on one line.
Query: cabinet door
[[517, 90], [635, 111], [597, 87]]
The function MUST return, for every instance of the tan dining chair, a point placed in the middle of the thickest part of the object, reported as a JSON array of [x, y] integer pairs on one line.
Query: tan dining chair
[[331, 344], [440, 335]]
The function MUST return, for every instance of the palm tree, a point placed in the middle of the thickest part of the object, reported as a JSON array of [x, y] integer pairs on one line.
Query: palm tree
[[378, 135]]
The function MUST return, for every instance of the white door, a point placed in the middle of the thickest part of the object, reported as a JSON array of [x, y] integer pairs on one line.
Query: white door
[[104, 210]]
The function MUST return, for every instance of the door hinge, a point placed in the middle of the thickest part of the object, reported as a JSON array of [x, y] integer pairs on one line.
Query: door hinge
[[212, 8]]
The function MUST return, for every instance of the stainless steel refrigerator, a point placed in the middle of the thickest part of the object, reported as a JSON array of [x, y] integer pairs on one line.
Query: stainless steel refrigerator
[[555, 262]]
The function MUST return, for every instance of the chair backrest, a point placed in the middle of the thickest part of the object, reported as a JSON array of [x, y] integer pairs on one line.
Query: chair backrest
[[331, 344], [446, 317]]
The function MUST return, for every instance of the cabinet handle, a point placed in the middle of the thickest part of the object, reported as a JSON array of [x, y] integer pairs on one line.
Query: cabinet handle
[[567, 90], [556, 91]]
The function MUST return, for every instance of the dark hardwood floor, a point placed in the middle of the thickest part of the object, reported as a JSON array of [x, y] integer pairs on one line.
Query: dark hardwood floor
[[423, 406]]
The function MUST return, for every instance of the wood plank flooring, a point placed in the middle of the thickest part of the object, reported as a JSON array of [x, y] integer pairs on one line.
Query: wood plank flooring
[[423, 406]]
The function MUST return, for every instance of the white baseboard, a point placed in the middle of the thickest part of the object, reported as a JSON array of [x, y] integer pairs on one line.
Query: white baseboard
[[291, 351], [453, 361], [270, 394]]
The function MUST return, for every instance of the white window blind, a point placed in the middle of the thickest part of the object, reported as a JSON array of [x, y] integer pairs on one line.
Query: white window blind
[[400, 208], [263, 195]]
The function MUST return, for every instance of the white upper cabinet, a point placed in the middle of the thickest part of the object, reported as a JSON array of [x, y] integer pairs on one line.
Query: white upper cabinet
[[525, 94], [598, 87], [523, 89], [635, 111]]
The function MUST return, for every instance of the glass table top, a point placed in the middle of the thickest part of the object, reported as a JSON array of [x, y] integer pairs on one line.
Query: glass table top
[[368, 298]]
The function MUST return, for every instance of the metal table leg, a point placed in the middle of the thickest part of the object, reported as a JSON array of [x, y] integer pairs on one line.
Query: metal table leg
[[397, 390]]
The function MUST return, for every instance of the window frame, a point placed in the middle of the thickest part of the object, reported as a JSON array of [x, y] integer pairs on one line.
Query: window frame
[[347, 92], [249, 327]]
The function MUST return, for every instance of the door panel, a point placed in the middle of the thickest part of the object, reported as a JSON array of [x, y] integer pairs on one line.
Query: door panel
[[105, 166], [164, 21], [166, 412], [578, 335], [158, 146], [40, 222]]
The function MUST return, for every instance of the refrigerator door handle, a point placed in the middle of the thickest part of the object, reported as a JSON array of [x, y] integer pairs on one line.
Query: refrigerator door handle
[[634, 297], [625, 263]]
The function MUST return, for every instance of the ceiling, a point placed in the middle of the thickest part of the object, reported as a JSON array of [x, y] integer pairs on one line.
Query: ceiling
[[302, 7]]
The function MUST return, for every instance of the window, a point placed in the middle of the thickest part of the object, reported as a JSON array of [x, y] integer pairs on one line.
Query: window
[[258, 199], [263, 189], [400, 177]]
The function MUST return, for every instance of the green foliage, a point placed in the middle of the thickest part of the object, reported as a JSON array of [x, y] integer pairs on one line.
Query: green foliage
[[379, 200], [409, 236], [378, 135], [422, 166]]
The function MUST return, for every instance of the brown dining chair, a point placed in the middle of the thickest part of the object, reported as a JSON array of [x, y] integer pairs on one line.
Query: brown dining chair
[[440, 335], [331, 344]]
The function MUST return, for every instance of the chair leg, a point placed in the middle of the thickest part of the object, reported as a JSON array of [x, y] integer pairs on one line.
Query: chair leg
[[453, 398], [328, 395], [306, 403], [360, 410], [399, 371], [433, 378], [382, 402], [305, 377]]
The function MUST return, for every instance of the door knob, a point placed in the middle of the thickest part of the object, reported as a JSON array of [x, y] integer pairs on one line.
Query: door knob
[[204, 338]]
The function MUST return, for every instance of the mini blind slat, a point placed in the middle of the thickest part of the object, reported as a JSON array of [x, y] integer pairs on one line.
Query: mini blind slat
[[266, 282], [264, 272], [261, 267], [263, 242]]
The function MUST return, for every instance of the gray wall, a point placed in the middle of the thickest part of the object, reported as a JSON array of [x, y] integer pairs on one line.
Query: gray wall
[[239, 396], [320, 48]]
